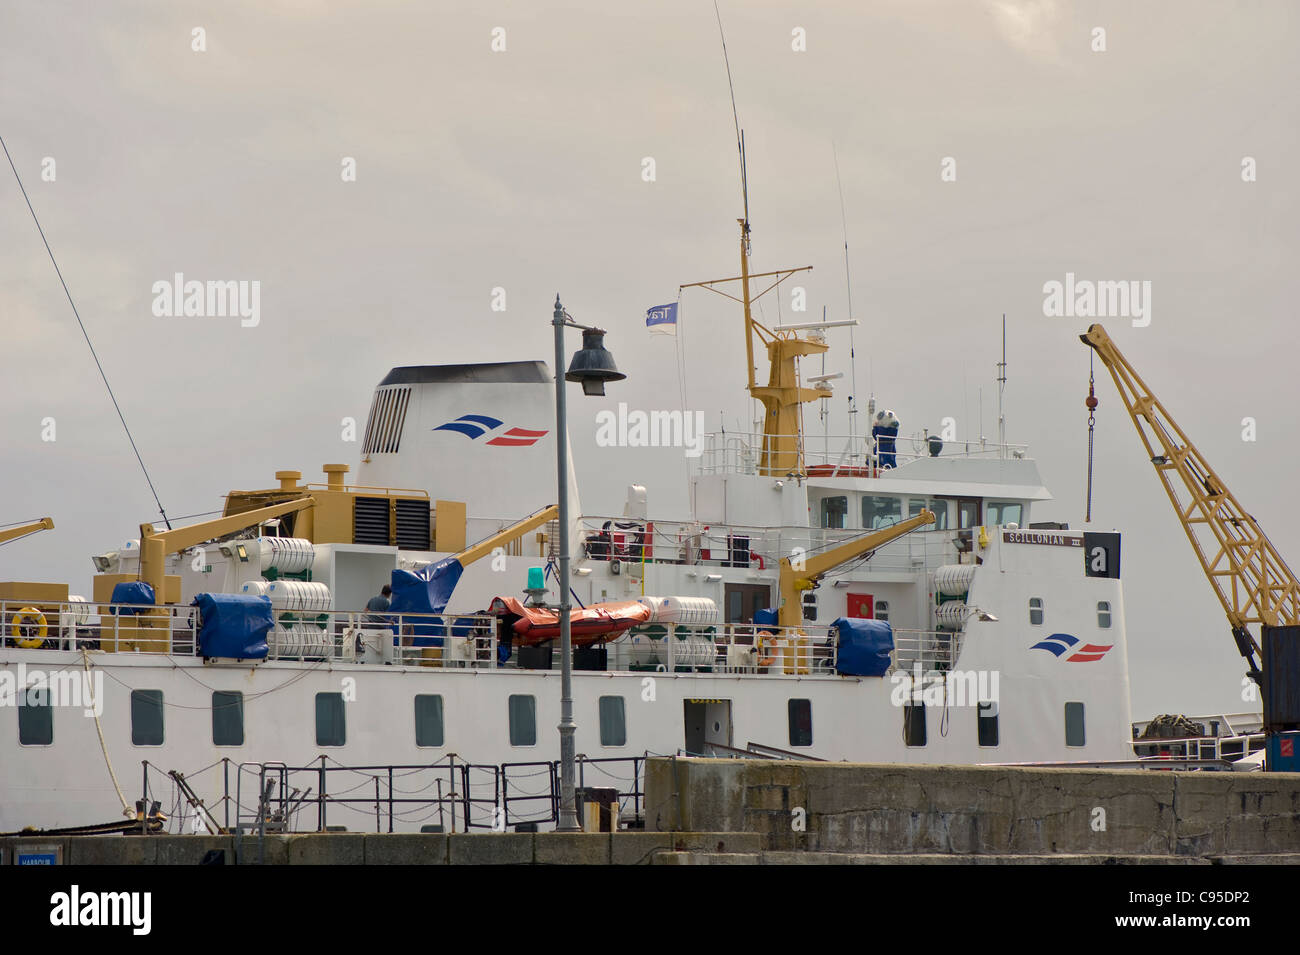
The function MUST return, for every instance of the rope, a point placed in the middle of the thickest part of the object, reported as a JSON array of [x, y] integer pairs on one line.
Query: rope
[[126, 807], [84, 333]]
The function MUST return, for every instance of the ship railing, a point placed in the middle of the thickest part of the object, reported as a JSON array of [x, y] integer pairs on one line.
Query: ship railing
[[447, 795], [1232, 748], [739, 452], [925, 651], [444, 641], [758, 549], [107, 626]]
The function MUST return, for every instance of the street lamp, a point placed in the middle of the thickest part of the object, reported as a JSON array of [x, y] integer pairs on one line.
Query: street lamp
[[593, 366]]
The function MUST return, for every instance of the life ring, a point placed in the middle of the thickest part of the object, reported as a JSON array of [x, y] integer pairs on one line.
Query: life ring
[[21, 635], [763, 637]]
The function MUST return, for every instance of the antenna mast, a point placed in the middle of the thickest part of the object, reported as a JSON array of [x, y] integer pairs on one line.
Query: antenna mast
[[1002, 384]]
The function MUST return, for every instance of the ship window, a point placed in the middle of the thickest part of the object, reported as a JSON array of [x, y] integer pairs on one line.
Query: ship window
[[987, 722], [1074, 734], [914, 724], [800, 713], [428, 719], [1036, 611], [878, 512], [938, 508], [147, 717], [1103, 614], [227, 718], [834, 510], [35, 717], [613, 721], [331, 720], [1000, 512], [523, 720], [882, 609]]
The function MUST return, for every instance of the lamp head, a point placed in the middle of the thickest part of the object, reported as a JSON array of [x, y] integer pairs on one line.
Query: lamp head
[[593, 365]]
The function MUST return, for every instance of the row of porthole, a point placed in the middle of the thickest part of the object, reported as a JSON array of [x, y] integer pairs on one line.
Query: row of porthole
[[986, 717], [1036, 612]]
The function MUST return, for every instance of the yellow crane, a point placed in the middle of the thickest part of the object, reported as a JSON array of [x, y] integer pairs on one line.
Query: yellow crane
[[1252, 581], [812, 568], [22, 530]]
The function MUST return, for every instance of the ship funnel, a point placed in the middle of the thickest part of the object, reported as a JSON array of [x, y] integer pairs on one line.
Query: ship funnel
[[594, 365]]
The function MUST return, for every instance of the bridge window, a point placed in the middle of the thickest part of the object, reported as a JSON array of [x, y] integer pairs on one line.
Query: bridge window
[[1074, 733], [938, 508], [834, 510], [428, 719], [878, 512], [882, 609], [1103, 614], [523, 720], [987, 723], [1036, 611], [331, 720], [800, 713], [227, 718], [1000, 512], [914, 724], [35, 717], [147, 717], [613, 721]]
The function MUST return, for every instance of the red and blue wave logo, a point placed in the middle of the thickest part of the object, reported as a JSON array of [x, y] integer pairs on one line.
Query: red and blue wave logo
[[1058, 644], [474, 426]]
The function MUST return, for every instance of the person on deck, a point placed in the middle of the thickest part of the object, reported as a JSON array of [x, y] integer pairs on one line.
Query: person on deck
[[375, 605]]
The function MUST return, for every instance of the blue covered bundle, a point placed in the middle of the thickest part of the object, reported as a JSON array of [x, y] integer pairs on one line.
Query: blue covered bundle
[[426, 591], [234, 625], [864, 646], [131, 592]]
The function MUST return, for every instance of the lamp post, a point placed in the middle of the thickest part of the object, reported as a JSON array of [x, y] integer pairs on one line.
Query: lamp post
[[593, 366]]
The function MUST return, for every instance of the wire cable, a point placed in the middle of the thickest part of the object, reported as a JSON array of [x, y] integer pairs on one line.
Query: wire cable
[[85, 334]]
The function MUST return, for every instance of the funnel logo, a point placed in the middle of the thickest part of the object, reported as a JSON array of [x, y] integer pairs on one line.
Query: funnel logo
[[1061, 643], [474, 426]]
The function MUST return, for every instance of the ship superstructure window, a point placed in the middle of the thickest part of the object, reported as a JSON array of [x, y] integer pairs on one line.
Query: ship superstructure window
[[227, 718], [428, 719], [986, 715], [147, 717], [1074, 731], [834, 511], [800, 713], [613, 721], [1103, 614], [1001, 512], [331, 720], [914, 724], [878, 512], [882, 609], [939, 509], [1036, 611], [35, 718], [523, 720]]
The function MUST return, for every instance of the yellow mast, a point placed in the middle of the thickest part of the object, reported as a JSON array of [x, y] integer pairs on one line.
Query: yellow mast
[[782, 395]]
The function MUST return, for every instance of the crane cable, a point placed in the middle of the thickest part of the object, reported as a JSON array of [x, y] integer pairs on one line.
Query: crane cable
[[1091, 402]]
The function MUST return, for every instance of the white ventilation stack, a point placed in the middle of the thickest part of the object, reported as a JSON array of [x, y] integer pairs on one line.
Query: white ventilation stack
[[483, 434]]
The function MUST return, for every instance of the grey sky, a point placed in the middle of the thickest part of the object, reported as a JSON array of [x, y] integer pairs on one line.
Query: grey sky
[[522, 170]]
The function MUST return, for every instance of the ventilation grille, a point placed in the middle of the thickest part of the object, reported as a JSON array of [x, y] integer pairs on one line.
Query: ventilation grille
[[412, 524], [387, 416], [370, 521]]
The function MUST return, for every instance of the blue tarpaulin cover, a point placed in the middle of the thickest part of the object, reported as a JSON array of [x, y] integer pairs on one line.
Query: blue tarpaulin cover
[[132, 592], [234, 625], [427, 590], [766, 618], [864, 646]]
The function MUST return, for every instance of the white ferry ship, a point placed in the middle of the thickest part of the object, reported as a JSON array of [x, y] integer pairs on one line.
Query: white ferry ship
[[975, 635]]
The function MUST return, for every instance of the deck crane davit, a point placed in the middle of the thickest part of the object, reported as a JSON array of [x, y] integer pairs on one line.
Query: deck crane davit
[[22, 530], [1253, 582]]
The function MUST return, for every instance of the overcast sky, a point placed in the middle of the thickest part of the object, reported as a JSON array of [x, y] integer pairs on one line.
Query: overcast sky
[[522, 169]]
